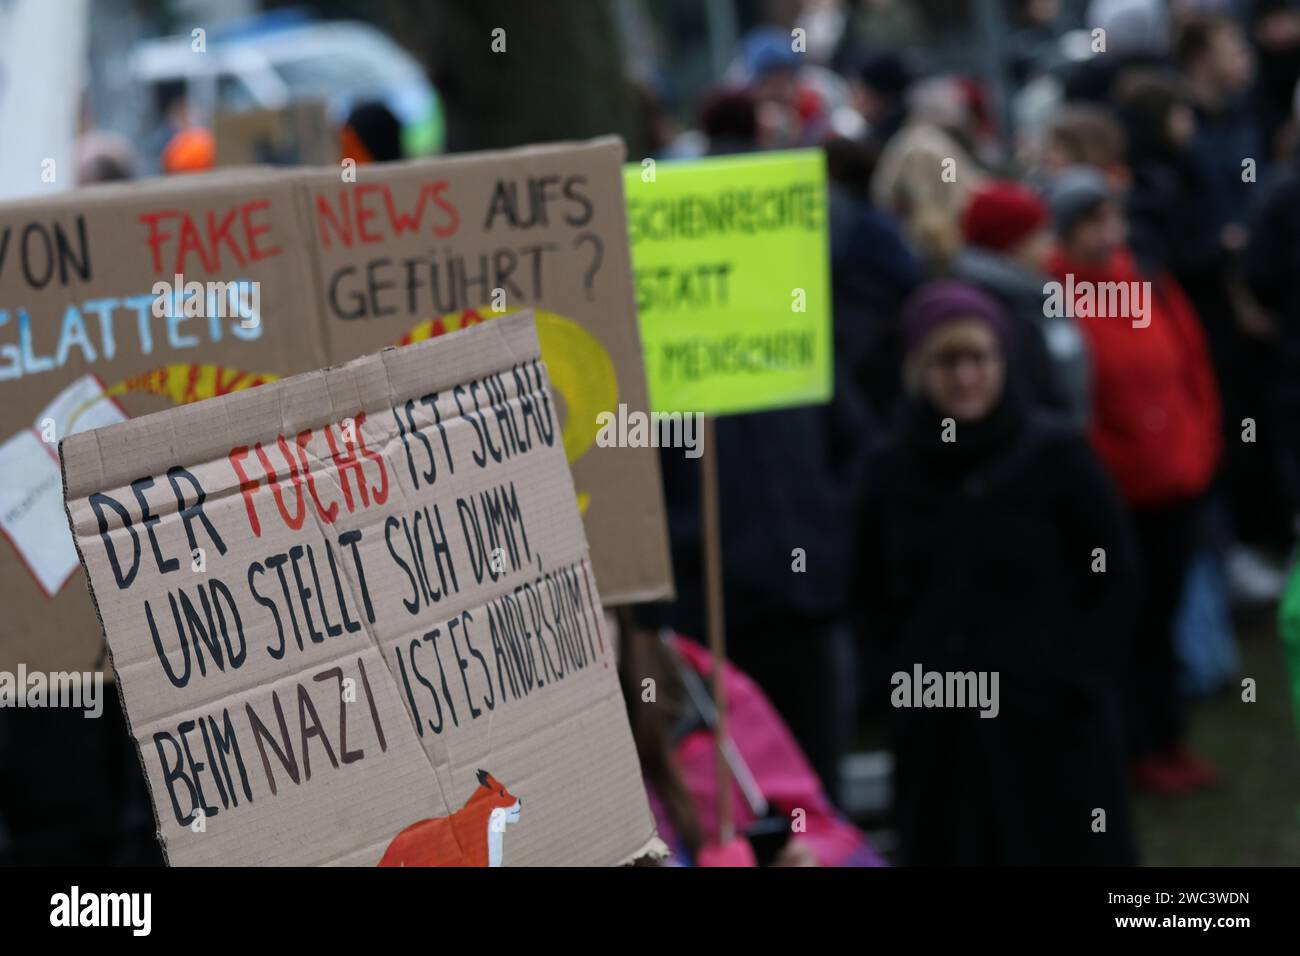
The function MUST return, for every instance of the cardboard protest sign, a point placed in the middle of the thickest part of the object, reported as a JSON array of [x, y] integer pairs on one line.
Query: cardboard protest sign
[[732, 268], [95, 325], [414, 249], [300, 134], [311, 258], [354, 619]]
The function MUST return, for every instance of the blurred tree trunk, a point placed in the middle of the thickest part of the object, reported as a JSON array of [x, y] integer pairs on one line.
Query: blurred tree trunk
[[560, 77]]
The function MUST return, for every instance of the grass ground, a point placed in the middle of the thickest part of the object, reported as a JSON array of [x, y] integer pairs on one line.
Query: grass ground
[[1253, 817]]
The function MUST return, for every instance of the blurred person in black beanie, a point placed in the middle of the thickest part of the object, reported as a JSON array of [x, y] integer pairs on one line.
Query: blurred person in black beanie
[[372, 134]]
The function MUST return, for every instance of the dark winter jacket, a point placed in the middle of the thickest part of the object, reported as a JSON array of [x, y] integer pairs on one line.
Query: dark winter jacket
[[1172, 215], [1272, 265], [872, 271], [1224, 139], [986, 555]]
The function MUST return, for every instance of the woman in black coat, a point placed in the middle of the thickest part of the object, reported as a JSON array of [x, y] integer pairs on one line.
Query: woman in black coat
[[995, 545]]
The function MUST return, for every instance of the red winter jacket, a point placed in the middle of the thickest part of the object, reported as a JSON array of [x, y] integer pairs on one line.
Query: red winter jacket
[[1155, 403]]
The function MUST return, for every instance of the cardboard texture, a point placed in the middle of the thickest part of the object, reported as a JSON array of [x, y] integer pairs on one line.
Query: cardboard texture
[[732, 260], [76, 280], [354, 618], [299, 134], [545, 227], [77, 274]]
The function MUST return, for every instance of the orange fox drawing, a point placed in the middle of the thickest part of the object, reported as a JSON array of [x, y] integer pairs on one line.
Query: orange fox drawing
[[472, 836]]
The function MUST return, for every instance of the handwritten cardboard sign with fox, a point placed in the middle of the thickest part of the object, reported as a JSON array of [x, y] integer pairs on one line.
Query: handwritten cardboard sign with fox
[[370, 582]]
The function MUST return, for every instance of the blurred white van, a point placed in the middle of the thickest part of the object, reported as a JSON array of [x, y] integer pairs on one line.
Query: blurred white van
[[274, 61]]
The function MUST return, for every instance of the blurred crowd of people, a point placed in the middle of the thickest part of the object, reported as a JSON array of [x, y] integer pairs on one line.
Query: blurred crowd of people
[[1016, 474]]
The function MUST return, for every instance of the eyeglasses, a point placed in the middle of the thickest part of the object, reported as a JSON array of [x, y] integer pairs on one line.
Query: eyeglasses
[[947, 360]]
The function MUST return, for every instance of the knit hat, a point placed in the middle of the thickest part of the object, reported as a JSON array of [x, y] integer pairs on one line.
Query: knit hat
[[885, 74], [1001, 214], [949, 300], [1073, 195], [768, 50]]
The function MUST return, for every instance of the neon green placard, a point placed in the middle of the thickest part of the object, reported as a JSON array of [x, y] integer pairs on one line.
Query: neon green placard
[[731, 265]]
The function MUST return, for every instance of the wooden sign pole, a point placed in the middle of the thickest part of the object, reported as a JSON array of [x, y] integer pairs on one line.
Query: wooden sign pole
[[712, 548]]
